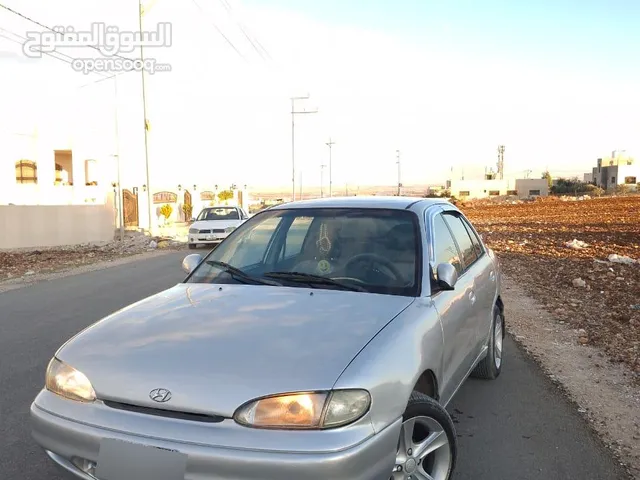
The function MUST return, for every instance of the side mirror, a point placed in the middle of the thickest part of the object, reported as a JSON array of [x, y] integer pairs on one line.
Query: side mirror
[[193, 219], [190, 262], [447, 276]]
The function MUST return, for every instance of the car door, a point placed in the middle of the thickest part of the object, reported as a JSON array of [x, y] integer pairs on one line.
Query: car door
[[454, 307], [476, 268], [485, 283]]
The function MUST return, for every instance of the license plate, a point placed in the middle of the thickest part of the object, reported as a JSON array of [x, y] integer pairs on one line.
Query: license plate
[[118, 460]]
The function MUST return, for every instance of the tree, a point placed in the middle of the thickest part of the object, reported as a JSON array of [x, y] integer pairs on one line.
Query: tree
[[547, 176], [187, 208], [225, 195], [166, 210]]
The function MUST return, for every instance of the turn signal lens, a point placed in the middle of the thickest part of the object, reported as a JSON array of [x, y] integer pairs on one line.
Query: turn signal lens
[[305, 410], [66, 381], [346, 406]]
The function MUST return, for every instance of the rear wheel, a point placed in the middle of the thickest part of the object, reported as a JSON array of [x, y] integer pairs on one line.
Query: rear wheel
[[427, 445], [491, 366]]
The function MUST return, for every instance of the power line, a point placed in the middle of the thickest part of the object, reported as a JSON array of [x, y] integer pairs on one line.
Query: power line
[[219, 31], [35, 22], [243, 29], [68, 60]]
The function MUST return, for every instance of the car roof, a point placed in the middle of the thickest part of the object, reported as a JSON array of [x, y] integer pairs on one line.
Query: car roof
[[388, 202]]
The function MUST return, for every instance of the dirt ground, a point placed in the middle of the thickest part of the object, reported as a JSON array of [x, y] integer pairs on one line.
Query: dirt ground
[[26, 264], [572, 308], [578, 283]]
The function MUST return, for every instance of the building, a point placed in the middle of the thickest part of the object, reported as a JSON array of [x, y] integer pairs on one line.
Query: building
[[522, 188], [588, 177], [617, 170]]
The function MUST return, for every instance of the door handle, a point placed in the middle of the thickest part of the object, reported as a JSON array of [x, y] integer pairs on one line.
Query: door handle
[[492, 276], [472, 297]]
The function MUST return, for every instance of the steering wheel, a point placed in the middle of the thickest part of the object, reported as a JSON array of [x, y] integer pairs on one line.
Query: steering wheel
[[372, 258]]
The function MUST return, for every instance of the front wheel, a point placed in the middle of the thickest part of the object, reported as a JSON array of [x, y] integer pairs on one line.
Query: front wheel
[[427, 446], [192, 246], [491, 365]]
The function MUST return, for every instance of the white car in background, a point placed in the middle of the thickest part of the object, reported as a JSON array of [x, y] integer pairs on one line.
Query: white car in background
[[214, 224]]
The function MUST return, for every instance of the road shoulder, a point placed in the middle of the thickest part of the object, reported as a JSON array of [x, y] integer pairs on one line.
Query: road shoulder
[[25, 281], [602, 391]]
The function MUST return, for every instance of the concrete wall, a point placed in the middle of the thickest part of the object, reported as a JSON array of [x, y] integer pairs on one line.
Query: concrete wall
[[29, 226], [610, 177], [525, 186], [486, 188]]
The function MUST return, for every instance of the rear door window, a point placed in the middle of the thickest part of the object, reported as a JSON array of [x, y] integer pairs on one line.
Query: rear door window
[[461, 235]]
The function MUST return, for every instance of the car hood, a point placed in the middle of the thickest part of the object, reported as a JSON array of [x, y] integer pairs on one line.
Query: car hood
[[208, 224], [216, 347]]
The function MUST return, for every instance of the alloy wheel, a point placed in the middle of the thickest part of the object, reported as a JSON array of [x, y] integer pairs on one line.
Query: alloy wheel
[[497, 341], [423, 452]]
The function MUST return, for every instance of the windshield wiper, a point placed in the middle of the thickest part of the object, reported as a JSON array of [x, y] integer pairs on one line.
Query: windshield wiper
[[314, 279], [239, 274]]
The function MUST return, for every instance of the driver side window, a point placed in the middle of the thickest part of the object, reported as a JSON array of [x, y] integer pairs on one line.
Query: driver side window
[[445, 249]]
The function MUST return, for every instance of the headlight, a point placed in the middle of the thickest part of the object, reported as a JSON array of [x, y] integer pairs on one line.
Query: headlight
[[194, 230], [305, 410], [68, 382], [229, 229]]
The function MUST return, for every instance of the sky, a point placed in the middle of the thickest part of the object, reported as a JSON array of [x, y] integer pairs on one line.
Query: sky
[[444, 82]]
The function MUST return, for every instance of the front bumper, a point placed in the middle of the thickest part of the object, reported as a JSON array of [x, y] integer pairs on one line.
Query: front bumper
[[63, 439], [203, 238]]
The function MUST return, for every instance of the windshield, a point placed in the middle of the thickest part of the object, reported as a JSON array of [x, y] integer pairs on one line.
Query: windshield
[[219, 213], [377, 251]]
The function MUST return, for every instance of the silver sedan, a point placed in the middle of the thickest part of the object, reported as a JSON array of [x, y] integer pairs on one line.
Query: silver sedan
[[321, 340]]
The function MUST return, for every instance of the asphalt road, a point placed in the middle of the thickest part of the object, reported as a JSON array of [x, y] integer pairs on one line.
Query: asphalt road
[[515, 428]]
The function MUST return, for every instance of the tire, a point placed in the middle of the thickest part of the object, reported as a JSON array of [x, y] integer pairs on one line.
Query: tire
[[193, 246], [426, 417], [491, 365]]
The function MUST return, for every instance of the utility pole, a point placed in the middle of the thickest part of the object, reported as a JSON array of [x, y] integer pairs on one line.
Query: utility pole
[[146, 126], [300, 185], [322, 180], [293, 141], [330, 143], [117, 155], [398, 162]]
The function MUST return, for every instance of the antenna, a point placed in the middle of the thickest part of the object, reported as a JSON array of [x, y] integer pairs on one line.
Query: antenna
[[501, 161]]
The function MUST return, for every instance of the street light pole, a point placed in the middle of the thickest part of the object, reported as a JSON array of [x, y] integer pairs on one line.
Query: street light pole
[[146, 125], [398, 162], [330, 143], [322, 167], [117, 155], [293, 141]]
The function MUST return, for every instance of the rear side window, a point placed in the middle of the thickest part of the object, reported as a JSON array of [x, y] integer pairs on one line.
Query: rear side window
[[477, 245], [445, 250], [463, 239]]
